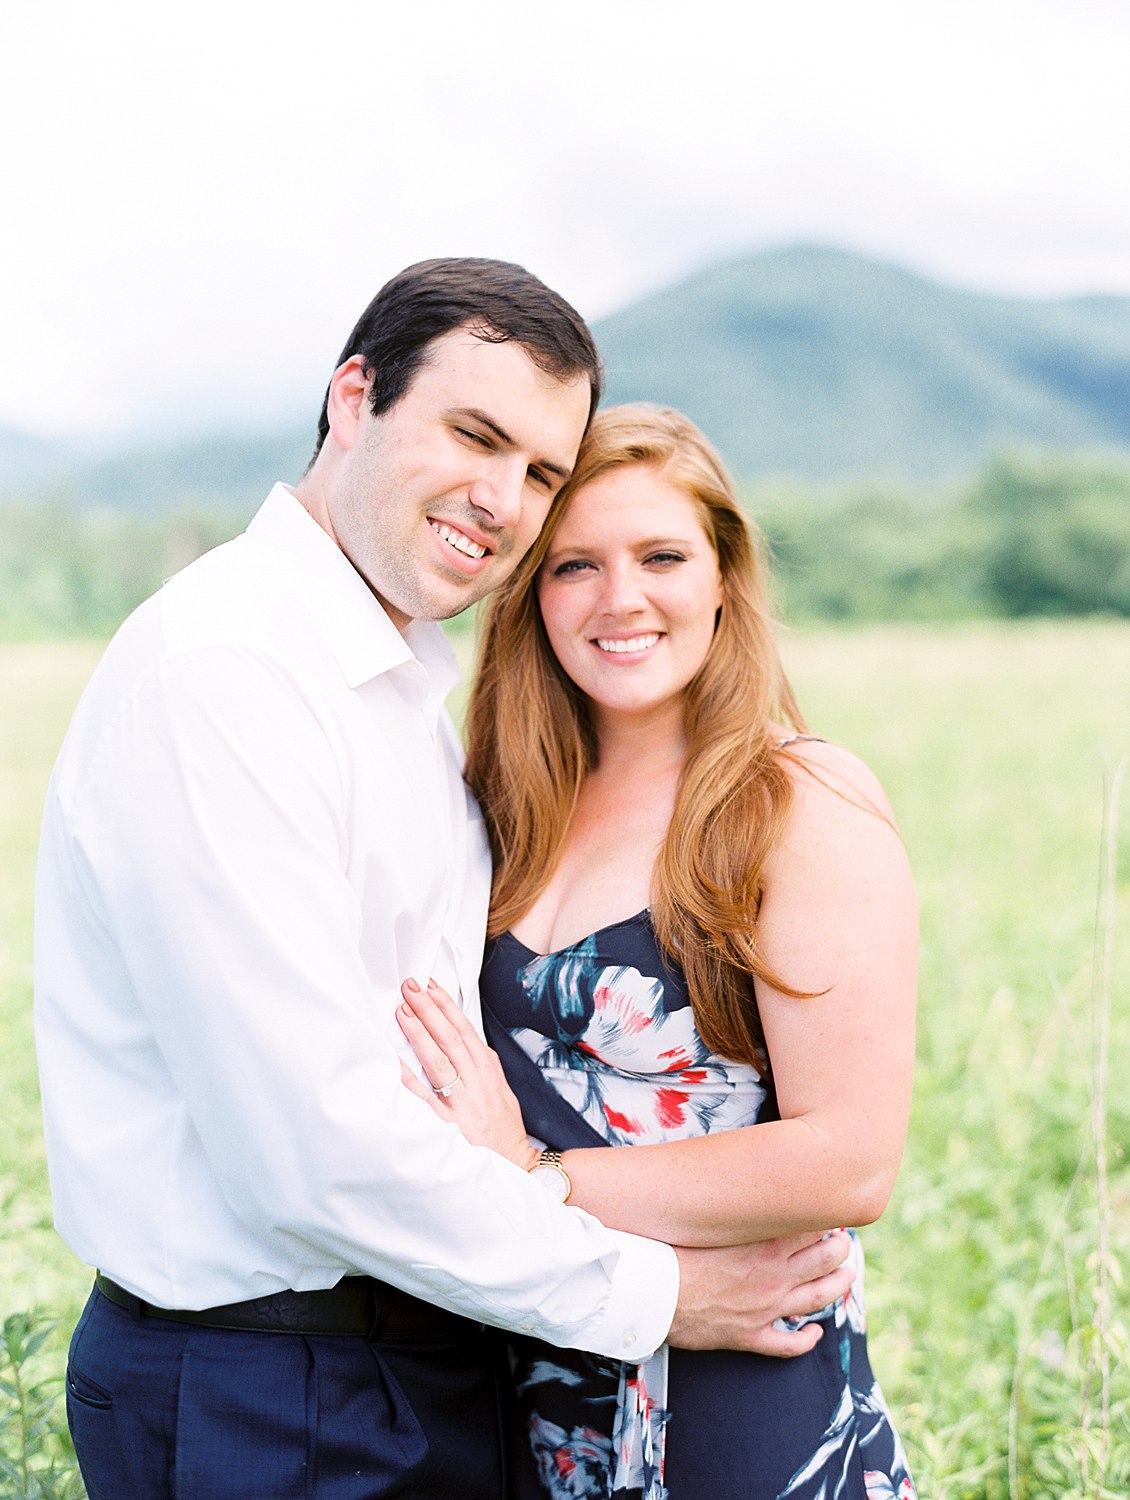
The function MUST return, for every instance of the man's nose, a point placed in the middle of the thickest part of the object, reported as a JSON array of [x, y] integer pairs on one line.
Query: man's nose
[[500, 492]]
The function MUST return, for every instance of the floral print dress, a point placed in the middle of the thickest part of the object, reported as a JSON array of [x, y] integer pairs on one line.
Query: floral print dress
[[599, 1043]]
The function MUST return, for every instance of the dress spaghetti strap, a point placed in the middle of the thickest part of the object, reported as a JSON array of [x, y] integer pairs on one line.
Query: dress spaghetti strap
[[796, 739]]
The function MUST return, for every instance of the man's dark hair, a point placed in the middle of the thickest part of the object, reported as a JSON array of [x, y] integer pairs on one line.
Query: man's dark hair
[[499, 302]]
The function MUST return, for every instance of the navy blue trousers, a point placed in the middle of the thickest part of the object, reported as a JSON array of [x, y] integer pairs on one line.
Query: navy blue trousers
[[168, 1411]]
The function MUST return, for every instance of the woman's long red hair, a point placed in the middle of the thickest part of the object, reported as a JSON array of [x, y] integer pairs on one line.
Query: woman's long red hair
[[531, 741]]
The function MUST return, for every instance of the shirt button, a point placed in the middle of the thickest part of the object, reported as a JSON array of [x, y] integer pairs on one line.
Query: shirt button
[[528, 1325], [630, 1337]]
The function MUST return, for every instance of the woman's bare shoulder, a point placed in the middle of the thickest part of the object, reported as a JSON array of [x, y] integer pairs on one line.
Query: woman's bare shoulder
[[821, 769], [840, 844]]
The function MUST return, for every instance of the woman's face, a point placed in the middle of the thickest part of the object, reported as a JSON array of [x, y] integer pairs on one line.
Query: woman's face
[[629, 592]]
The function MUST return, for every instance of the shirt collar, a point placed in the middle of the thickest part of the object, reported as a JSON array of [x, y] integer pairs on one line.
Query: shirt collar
[[356, 628]]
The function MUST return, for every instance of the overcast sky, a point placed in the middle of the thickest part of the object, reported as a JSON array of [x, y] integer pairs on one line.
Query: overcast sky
[[198, 201]]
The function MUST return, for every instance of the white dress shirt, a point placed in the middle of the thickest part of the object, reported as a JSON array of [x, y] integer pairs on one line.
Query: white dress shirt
[[256, 829]]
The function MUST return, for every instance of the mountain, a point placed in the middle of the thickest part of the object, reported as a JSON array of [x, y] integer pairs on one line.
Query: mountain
[[808, 364], [831, 368], [31, 460], [233, 469], [223, 471]]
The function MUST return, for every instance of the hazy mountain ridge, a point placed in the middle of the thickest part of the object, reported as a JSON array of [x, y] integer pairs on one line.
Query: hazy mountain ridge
[[229, 471], [832, 368], [809, 364], [24, 458]]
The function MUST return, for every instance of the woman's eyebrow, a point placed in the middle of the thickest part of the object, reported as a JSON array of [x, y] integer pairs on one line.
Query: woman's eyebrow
[[645, 544]]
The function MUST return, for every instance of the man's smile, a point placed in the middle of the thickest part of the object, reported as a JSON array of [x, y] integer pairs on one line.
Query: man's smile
[[459, 539]]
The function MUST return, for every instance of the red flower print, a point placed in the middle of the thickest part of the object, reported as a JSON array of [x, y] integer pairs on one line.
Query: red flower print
[[674, 1059], [632, 1018], [669, 1107], [622, 1122]]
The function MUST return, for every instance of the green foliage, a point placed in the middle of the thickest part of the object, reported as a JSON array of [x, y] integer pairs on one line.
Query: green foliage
[[1056, 537], [873, 556], [67, 572], [37, 1460], [1040, 535]]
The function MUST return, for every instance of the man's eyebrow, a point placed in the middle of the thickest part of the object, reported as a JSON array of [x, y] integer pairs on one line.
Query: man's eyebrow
[[504, 437]]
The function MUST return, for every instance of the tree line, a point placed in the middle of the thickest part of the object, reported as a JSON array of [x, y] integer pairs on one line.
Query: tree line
[[1031, 536]]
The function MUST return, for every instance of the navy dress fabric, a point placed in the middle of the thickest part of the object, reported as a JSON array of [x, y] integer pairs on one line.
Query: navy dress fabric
[[599, 1043]]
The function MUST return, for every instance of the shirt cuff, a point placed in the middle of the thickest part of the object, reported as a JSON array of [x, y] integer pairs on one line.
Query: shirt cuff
[[641, 1307]]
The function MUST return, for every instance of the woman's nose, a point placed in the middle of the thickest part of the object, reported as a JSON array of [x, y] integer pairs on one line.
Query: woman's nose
[[623, 592]]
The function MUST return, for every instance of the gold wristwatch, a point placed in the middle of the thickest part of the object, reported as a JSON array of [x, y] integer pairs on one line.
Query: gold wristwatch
[[550, 1172]]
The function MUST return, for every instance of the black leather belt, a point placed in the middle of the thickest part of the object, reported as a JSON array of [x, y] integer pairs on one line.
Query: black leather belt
[[357, 1307]]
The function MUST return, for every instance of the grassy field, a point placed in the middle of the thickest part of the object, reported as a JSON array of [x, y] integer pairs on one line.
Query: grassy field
[[998, 1312]]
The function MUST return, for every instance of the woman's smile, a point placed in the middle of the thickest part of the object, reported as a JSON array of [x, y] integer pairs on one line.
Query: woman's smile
[[634, 645]]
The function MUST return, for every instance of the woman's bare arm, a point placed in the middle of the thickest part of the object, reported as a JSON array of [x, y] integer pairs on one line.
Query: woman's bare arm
[[838, 918]]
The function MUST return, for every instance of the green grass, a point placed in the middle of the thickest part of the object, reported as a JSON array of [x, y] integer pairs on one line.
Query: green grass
[[38, 687], [995, 743], [997, 1307], [39, 684]]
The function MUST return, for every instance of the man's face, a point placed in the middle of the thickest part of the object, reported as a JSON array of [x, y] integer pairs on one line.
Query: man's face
[[439, 498]]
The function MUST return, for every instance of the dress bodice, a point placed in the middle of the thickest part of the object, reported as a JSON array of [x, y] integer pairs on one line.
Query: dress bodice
[[608, 1022]]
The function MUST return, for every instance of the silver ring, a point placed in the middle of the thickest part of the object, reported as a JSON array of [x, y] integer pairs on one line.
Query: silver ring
[[448, 1088]]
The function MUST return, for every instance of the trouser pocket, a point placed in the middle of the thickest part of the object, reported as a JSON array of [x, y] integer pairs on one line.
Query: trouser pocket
[[90, 1417], [86, 1392]]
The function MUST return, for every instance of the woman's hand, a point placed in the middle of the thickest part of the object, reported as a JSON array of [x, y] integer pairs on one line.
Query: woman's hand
[[468, 1087]]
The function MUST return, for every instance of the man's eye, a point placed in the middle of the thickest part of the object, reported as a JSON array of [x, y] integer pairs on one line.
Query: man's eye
[[539, 477], [475, 437]]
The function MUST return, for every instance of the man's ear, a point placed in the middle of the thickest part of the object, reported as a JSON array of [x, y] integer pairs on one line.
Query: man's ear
[[348, 395]]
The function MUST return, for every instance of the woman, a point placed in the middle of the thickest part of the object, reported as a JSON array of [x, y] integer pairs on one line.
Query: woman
[[702, 918]]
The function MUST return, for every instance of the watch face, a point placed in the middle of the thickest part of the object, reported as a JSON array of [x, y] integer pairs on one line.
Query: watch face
[[553, 1179]]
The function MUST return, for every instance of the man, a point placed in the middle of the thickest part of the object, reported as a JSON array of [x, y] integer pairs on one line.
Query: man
[[256, 829]]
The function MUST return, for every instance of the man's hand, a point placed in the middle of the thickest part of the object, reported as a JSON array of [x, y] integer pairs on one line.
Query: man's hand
[[729, 1297]]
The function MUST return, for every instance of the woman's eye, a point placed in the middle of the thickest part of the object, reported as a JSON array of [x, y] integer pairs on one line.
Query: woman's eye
[[574, 565], [666, 557]]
